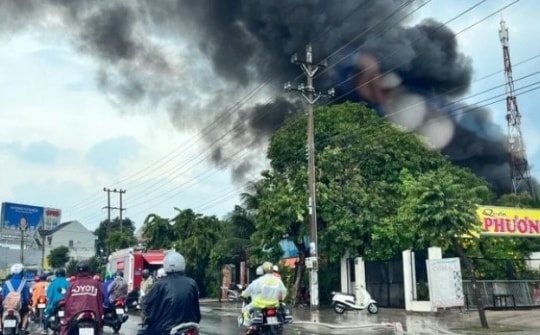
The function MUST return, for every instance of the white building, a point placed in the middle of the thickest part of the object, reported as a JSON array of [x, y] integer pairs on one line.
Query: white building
[[72, 234]]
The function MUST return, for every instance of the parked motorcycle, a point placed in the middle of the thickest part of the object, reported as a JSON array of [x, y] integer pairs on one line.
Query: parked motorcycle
[[11, 320], [234, 292], [116, 315], [55, 320], [84, 323], [347, 302]]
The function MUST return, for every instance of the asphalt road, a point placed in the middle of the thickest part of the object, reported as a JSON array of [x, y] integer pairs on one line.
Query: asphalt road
[[223, 321]]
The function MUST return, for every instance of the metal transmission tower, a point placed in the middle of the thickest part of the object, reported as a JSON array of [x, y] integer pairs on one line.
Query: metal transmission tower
[[519, 167], [311, 96]]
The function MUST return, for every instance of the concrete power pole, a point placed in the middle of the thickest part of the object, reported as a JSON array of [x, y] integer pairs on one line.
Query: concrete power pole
[[121, 209], [311, 96], [108, 204]]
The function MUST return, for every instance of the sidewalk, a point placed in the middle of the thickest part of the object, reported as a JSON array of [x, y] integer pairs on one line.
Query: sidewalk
[[398, 321], [451, 322]]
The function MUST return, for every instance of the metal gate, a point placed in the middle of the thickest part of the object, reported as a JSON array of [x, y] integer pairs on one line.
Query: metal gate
[[384, 281]]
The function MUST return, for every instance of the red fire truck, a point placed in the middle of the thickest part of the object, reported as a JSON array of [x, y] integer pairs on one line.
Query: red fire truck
[[132, 262]]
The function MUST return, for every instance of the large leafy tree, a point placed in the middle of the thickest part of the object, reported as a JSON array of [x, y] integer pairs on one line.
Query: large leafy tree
[[234, 240], [106, 228], [195, 237], [359, 159], [440, 209], [58, 257], [157, 232]]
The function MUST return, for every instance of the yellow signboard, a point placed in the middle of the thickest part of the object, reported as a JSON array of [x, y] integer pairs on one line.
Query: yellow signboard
[[509, 221]]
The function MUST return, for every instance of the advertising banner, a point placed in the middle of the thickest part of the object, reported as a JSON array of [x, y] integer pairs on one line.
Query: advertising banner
[[16, 217], [509, 221]]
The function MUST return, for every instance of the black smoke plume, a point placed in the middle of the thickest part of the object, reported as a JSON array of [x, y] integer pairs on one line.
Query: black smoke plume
[[205, 61]]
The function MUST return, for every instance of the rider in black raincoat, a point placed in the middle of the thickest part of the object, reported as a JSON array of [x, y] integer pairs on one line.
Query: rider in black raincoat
[[172, 300]]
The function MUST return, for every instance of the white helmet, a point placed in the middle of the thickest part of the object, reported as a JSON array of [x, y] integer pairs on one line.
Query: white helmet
[[17, 268], [259, 270], [174, 262], [161, 273]]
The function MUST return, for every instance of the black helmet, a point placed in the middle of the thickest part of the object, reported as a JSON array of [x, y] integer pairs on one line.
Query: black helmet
[[145, 273], [60, 272], [83, 266]]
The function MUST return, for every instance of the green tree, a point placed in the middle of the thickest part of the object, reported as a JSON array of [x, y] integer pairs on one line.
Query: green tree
[[106, 227], [359, 159], [440, 209], [119, 240], [234, 238], [196, 236], [158, 232], [58, 257], [71, 267]]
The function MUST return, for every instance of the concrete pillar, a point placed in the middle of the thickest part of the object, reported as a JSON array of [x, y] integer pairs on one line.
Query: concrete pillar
[[434, 253], [345, 276], [360, 278], [407, 278]]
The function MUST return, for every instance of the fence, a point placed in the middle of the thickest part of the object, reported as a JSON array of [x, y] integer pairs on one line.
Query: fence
[[504, 293]]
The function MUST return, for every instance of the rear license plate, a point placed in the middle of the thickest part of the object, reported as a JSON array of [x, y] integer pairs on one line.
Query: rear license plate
[[61, 314], [86, 331], [272, 320], [41, 306], [119, 311], [10, 323]]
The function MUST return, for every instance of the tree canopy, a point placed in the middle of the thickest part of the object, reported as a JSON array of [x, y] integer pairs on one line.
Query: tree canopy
[[58, 257]]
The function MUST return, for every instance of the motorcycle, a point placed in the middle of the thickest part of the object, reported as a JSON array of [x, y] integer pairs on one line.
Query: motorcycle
[[116, 315], [55, 320], [11, 320], [268, 321], [233, 292], [40, 312], [342, 302], [84, 323]]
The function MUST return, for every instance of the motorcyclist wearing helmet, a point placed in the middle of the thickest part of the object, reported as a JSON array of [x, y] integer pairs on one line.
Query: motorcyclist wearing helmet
[[146, 284], [265, 291], [259, 272], [17, 281], [160, 274], [55, 292], [275, 271], [83, 294], [118, 288], [173, 300]]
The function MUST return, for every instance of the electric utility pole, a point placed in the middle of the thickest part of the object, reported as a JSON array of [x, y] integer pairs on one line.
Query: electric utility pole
[[311, 96], [121, 209]]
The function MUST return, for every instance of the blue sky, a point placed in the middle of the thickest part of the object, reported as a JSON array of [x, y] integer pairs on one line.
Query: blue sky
[[64, 137]]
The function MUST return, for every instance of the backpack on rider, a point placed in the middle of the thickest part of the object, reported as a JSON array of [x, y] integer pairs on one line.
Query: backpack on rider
[[13, 299]]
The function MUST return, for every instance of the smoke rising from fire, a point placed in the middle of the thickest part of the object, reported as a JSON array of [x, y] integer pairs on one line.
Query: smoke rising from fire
[[196, 59]]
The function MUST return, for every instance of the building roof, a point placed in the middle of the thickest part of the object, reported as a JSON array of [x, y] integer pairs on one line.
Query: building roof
[[47, 232]]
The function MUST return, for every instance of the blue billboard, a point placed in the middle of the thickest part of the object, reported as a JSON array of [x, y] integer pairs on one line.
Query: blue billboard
[[17, 217]]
